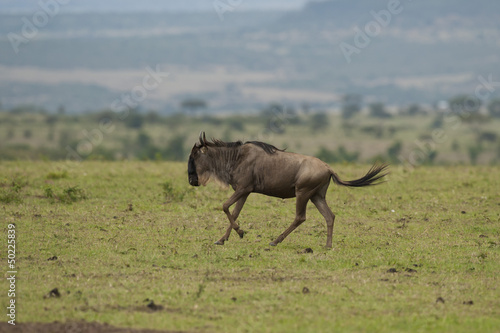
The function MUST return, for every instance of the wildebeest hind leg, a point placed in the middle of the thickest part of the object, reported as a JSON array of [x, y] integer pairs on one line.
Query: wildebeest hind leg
[[240, 199], [300, 216], [320, 203]]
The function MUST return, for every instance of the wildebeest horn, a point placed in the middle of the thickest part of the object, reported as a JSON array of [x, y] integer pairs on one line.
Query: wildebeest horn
[[203, 139]]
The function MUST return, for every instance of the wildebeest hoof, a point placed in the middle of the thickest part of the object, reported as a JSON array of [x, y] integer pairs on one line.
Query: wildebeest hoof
[[241, 233], [273, 244], [219, 242]]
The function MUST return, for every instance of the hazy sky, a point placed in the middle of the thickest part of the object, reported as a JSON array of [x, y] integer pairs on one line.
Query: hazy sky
[[9, 6]]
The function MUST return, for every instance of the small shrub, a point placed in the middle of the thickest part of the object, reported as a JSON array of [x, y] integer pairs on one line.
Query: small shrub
[[68, 195], [57, 175], [12, 192], [72, 194], [8, 196], [168, 188], [474, 152], [49, 193], [18, 183], [394, 151], [171, 193]]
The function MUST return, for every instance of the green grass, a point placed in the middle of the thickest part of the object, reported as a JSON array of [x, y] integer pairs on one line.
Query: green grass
[[138, 232]]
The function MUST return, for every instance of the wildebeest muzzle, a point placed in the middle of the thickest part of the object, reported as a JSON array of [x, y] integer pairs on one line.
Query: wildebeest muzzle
[[193, 180], [193, 176]]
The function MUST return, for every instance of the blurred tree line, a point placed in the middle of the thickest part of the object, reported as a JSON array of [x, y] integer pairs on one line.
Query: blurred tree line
[[149, 135]]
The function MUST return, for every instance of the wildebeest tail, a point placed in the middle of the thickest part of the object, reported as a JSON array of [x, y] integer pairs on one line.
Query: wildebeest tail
[[372, 177]]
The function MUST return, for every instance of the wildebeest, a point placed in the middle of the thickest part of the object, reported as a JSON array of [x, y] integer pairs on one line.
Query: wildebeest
[[259, 167]]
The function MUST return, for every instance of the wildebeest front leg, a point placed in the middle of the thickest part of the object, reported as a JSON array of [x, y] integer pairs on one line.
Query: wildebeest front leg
[[239, 198]]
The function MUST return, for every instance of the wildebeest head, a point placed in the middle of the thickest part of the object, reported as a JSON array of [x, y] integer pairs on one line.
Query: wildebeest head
[[199, 163]]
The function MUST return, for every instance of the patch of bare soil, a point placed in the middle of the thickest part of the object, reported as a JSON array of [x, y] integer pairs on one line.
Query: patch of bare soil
[[71, 327]]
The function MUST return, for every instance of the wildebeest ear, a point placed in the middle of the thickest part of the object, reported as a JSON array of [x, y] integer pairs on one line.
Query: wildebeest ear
[[203, 149]]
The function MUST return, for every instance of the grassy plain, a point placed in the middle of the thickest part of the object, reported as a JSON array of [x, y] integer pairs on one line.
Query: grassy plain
[[420, 253]]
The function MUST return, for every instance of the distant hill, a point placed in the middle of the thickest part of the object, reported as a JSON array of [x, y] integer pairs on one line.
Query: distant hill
[[345, 13], [12, 6], [428, 51]]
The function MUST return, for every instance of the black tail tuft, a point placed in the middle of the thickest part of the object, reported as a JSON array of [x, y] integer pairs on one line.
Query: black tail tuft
[[371, 177]]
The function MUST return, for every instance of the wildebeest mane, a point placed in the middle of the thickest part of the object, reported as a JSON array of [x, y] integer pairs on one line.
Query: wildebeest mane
[[268, 148], [223, 144]]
